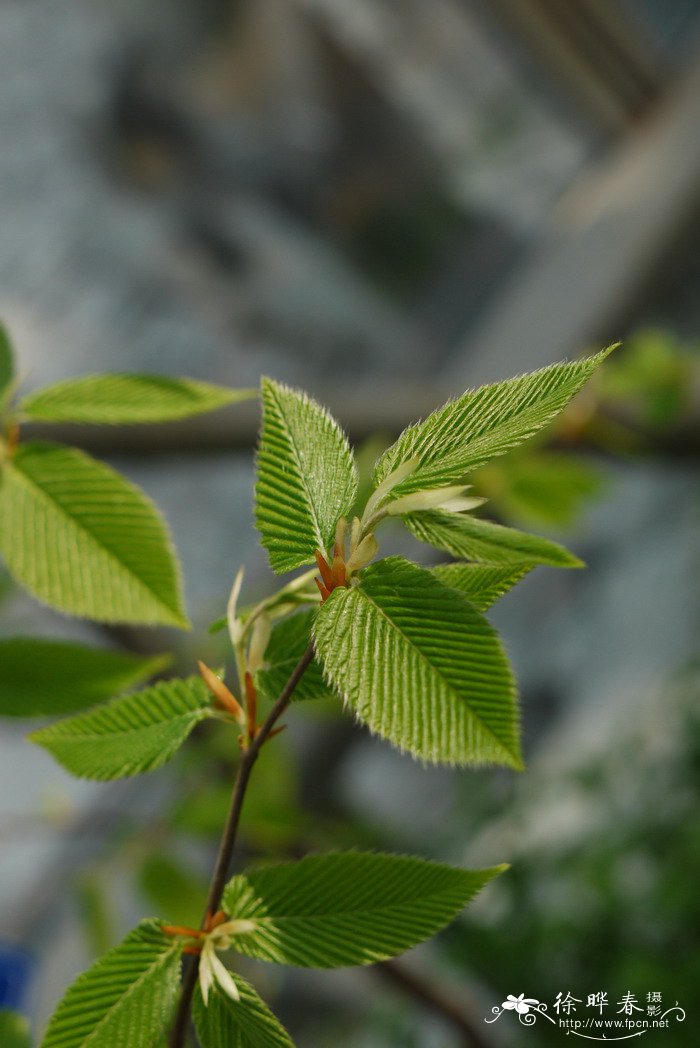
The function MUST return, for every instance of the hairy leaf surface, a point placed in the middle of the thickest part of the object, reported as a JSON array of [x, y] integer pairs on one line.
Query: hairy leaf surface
[[247, 1023], [123, 399], [43, 678], [346, 908], [420, 666], [126, 999], [127, 736], [481, 584], [482, 424], [289, 640], [306, 477], [465, 536], [82, 538]]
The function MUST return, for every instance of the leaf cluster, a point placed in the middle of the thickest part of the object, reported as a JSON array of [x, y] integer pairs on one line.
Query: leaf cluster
[[406, 648]]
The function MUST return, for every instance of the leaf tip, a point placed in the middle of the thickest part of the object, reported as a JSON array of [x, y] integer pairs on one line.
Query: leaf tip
[[575, 562]]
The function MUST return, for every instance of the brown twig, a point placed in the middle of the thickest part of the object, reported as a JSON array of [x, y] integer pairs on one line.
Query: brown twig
[[228, 840], [417, 987]]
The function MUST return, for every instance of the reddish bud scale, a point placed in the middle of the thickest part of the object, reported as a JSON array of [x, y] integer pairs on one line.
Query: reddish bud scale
[[214, 920], [179, 929], [251, 699], [339, 573], [324, 568], [325, 594], [332, 576]]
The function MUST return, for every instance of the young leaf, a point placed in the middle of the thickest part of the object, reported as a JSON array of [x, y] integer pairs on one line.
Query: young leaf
[[126, 998], [465, 536], [85, 540], [7, 365], [289, 640], [481, 584], [128, 736], [420, 666], [482, 424], [122, 399], [306, 477], [43, 678], [247, 1023], [14, 1030], [346, 908]]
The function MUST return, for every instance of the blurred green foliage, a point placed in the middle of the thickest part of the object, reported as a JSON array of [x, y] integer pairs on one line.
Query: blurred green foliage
[[602, 893], [14, 1030], [652, 378]]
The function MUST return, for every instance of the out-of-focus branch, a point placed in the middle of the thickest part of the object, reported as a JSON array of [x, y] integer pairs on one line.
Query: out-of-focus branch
[[419, 988], [381, 410]]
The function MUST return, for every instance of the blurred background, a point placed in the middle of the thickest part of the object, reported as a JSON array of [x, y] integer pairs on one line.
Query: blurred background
[[383, 203]]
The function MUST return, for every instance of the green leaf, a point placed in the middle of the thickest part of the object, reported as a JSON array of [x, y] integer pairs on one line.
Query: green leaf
[[14, 1030], [43, 678], [83, 539], [126, 998], [128, 736], [306, 477], [482, 424], [122, 399], [289, 640], [346, 908], [420, 666], [481, 584], [465, 536], [247, 1023], [7, 364]]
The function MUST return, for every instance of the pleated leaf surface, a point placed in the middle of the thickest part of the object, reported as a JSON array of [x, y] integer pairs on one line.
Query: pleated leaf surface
[[481, 584], [420, 666], [481, 540], [306, 477], [115, 399], [247, 1023], [347, 908], [131, 735], [482, 424], [43, 678], [83, 539], [126, 999]]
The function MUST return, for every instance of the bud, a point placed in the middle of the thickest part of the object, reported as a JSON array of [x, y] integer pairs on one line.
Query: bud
[[211, 969], [363, 554], [259, 640], [235, 626], [220, 692]]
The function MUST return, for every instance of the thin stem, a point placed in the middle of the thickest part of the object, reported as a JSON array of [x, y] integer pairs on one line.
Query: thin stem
[[435, 998], [228, 840]]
